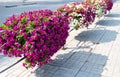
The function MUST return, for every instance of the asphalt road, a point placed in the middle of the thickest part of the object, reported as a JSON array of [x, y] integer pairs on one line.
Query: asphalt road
[[10, 7]]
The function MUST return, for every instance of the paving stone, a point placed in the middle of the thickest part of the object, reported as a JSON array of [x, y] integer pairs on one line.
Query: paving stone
[[97, 75], [64, 72], [82, 74]]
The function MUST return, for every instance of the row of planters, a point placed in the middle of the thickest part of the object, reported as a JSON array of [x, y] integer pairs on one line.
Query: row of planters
[[82, 14], [38, 35]]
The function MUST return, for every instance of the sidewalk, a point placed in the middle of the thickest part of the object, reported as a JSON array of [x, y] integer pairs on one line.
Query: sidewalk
[[92, 52]]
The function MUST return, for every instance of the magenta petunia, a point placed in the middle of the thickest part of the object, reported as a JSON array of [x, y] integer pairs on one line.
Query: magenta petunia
[[35, 35]]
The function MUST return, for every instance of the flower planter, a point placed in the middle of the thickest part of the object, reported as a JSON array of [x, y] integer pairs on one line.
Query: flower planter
[[35, 35]]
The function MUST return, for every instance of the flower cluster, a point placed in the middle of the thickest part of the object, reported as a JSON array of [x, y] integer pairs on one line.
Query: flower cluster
[[36, 35], [82, 14], [100, 7], [109, 4]]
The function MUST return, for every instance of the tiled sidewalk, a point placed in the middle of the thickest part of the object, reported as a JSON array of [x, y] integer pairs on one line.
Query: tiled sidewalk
[[92, 52]]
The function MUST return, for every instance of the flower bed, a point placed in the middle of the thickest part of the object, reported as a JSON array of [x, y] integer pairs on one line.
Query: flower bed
[[36, 35]]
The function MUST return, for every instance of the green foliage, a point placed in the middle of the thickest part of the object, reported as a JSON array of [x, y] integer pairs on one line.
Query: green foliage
[[24, 20], [27, 64], [32, 25], [77, 27], [4, 27], [21, 39], [78, 17]]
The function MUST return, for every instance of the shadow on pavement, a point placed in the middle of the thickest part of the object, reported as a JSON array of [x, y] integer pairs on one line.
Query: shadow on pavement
[[79, 64], [112, 22], [97, 36], [114, 0], [113, 15]]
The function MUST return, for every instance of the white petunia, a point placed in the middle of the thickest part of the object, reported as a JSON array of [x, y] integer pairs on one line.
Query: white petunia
[[79, 6]]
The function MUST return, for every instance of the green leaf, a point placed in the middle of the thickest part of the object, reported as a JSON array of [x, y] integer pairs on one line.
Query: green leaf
[[20, 39], [76, 27], [64, 48], [45, 19], [27, 30], [27, 64], [42, 59], [78, 17], [61, 10], [4, 27], [32, 25], [24, 20], [91, 1]]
